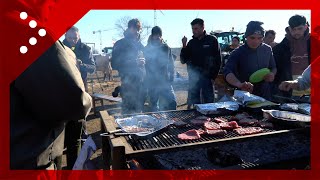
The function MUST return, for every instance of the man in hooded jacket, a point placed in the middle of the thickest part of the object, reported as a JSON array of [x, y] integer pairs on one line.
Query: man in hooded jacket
[[292, 55]]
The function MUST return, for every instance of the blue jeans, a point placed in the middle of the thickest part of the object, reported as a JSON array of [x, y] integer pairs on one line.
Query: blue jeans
[[162, 97], [200, 84]]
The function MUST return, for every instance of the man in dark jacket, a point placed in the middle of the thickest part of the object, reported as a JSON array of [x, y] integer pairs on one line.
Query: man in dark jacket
[[127, 58], [203, 57], [292, 55], [248, 58], [43, 98], [75, 129], [82, 51], [159, 72]]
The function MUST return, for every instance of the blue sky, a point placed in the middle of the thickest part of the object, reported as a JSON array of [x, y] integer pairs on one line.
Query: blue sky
[[176, 23]]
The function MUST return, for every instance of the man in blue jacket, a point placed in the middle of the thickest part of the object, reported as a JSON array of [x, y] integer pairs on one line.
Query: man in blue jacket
[[203, 58], [247, 59]]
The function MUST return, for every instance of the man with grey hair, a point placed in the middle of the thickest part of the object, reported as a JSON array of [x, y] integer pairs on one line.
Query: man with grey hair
[[76, 129], [83, 53]]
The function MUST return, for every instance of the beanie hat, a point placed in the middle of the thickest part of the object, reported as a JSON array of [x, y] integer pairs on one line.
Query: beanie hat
[[156, 30], [254, 27]]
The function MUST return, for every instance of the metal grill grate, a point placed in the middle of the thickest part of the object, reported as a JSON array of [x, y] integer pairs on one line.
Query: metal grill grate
[[169, 137]]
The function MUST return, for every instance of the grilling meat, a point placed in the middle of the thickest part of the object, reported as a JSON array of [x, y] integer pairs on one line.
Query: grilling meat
[[218, 132], [211, 125], [200, 131], [229, 125], [248, 130], [220, 120], [247, 121], [135, 129], [265, 124], [190, 135], [200, 120]]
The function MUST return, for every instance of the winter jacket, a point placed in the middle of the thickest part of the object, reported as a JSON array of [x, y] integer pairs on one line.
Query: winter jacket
[[203, 55], [159, 62], [84, 53], [282, 56], [244, 61], [125, 55]]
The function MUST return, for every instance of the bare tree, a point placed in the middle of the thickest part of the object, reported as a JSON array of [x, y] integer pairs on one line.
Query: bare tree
[[122, 24]]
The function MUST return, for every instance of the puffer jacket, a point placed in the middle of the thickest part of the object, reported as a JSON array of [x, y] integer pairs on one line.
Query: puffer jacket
[[83, 52], [125, 54]]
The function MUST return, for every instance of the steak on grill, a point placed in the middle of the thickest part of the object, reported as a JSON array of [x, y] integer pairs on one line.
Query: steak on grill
[[211, 125], [247, 121], [229, 125], [190, 135], [220, 120], [248, 130], [218, 132], [200, 120]]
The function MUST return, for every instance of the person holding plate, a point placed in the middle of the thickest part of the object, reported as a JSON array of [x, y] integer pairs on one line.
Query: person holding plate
[[251, 67]]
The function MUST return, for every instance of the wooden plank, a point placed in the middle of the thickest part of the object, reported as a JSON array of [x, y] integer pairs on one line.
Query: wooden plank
[[105, 121], [106, 97], [110, 145]]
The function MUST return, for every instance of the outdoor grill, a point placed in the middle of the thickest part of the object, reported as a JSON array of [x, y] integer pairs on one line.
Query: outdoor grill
[[117, 150]]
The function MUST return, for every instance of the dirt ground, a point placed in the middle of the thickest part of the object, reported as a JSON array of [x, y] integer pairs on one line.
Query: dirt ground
[[98, 85]]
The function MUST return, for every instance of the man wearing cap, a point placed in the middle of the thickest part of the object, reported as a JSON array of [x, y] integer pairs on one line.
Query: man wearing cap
[[127, 58], [159, 69], [247, 59], [203, 58], [292, 55]]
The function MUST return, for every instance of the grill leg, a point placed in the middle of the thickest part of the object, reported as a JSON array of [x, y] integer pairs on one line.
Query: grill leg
[[118, 158]]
